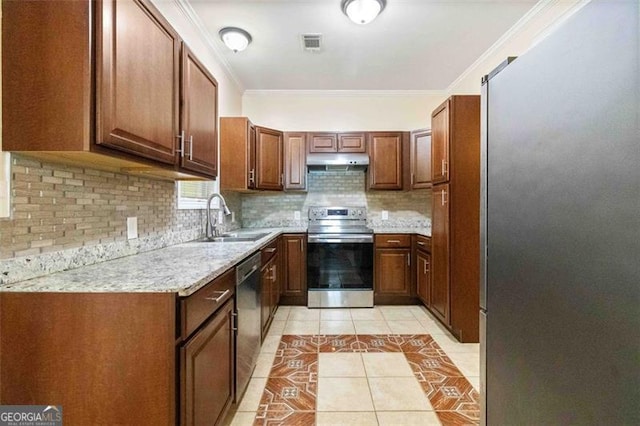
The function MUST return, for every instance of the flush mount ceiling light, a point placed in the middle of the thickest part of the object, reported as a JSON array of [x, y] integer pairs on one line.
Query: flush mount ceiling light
[[236, 39], [362, 11]]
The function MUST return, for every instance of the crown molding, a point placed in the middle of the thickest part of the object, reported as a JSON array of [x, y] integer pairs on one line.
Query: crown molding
[[539, 8], [345, 93], [185, 7]]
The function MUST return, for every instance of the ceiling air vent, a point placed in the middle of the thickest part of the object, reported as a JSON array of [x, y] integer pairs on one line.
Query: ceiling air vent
[[312, 42]]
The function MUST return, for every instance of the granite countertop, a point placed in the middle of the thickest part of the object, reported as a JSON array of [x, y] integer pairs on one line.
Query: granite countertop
[[182, 269]]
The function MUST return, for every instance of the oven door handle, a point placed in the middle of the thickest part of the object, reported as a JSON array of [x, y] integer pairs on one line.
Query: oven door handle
[[341, 239]]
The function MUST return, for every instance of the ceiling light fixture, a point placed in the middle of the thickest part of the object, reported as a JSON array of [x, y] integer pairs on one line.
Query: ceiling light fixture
[[362, 11], [234, 38]]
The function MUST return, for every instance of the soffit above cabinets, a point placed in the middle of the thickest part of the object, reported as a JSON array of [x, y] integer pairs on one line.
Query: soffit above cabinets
[[417, 45]]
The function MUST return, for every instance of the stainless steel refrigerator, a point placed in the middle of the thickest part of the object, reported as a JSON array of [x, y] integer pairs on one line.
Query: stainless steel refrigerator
[[560, 223]]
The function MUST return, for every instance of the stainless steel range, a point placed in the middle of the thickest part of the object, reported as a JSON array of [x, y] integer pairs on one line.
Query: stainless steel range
[[339, 258]]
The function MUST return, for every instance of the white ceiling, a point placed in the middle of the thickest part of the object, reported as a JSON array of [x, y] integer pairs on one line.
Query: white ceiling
[[412, 45]]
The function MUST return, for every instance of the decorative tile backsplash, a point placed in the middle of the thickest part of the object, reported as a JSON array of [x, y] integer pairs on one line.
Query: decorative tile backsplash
[[269, 209]]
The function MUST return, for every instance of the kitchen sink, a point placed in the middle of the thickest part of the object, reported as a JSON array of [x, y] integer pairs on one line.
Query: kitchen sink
[[237, 237]]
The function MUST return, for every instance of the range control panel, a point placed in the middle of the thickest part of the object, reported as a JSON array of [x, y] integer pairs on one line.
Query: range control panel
[[318, 213]]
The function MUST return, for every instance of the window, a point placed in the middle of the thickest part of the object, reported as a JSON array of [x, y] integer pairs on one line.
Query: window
[[5, 184], [194, 194]]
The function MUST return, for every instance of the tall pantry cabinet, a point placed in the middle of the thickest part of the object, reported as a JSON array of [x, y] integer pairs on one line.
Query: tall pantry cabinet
[[455, 166]]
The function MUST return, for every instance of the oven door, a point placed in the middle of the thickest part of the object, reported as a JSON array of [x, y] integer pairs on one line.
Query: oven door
[[340, 262]]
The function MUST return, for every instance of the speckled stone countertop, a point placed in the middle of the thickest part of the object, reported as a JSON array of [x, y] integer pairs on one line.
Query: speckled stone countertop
[[182, 269], [425, 232]]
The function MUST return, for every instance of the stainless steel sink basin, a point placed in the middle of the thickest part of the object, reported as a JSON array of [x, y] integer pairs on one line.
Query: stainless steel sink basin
[[237, 237]]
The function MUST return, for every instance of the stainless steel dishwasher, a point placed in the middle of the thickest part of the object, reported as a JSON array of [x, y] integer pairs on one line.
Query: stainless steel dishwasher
[[248, 321]]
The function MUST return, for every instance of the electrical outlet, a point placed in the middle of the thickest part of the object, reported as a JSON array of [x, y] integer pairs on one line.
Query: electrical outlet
[[132, 228], [296, 215], [385, 215]]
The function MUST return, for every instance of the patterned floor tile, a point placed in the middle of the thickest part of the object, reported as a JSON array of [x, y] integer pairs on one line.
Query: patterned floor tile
[[452, 394], [421, 364], [378, 343], [337, 343], [458, 418], [295, 365], [289, 394], [285, 418], [294, 345], [415, 342]]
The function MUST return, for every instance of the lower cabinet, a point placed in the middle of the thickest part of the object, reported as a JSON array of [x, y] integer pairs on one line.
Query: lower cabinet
[[392, 274], [423, 277], [269, 284], [207, 364], [294, 279]]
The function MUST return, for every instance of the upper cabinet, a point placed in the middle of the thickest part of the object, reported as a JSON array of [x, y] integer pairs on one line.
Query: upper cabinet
[[126, 116], [251, 157], [295, 161], [137, 93], [337, 142], [440, 143], [421, 159], [269, 158], [386, 160], [199, 118]]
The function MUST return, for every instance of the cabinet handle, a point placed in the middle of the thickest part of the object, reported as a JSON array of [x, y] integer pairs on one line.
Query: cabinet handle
[[444, 167], [393, 241], [273, 273], [191, 148], [301, 246], [252, 176], [181, 150], [408, 259], [425, 268], [420, 243], [281, 178], [443, 197], [234, 321], [412, 178], [270, 249], [219, 298]]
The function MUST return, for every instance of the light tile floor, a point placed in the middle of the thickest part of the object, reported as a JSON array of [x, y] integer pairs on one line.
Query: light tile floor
[[356, 384]]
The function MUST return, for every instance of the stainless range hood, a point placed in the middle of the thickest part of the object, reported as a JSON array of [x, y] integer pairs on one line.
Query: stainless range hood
[[337, 161]]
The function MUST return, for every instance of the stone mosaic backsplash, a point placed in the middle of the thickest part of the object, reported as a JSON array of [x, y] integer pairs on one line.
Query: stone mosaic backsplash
[[407, 209]]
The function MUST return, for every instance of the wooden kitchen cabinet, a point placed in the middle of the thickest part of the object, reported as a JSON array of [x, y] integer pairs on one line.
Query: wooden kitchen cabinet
[[455, 217], [124, 117], [251, 157], [269, 284], [422, 269], [392, 269], [337, 142], [440, 143], [295, 161], [294, 280], [208, 370], [421, 159], [199, 117], [387, 153]]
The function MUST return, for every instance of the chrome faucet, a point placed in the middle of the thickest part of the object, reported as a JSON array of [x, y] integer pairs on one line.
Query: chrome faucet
[[212, 225]]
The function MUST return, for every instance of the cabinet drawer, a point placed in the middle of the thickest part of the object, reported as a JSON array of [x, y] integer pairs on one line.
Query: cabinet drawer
[[269, 251], [200, 305], [393, 240], [423, 243]]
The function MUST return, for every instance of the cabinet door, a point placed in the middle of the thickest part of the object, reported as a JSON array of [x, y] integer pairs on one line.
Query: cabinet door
[[295, 277], [421, 159], [440, 252], [208, 371], [440, 143], [423, 276], [385, 158], [269, 157], [323, 142], [199, 117], [295, 161], [352, 142], [138, 55], [393, 273]]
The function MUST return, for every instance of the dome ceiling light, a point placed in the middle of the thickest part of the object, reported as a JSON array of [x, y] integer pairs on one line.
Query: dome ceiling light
[[234, 38], [362, 11]]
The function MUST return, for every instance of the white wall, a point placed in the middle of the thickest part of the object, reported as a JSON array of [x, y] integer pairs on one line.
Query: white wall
[[340, 111]]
